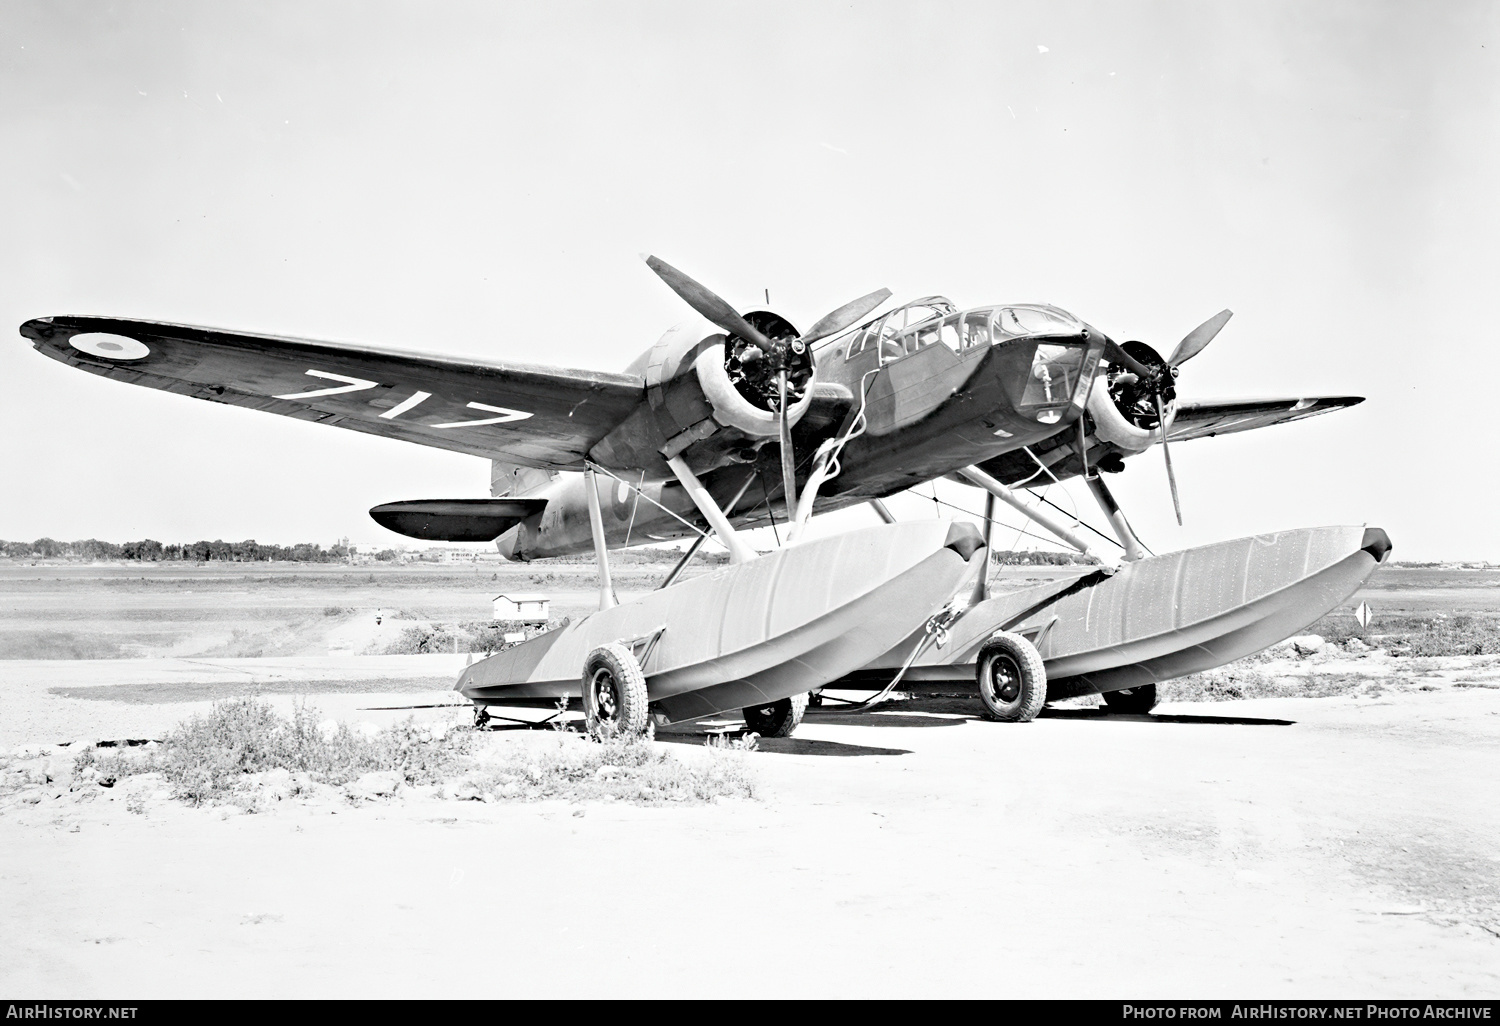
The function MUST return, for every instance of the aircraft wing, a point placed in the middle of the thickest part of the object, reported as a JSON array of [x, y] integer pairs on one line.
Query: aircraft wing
[[1204, 419], [523, 414]]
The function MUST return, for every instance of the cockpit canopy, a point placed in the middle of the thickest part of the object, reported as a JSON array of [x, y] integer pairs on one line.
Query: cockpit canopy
[[935, 319]]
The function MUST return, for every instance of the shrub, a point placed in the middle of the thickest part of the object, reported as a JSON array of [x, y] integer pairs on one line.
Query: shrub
[[207, 758]]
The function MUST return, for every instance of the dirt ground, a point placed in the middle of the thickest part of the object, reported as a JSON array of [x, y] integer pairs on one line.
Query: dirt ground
[[1279, 847]]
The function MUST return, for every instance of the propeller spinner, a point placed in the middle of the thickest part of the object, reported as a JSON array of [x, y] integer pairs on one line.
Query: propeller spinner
[[778, 356]]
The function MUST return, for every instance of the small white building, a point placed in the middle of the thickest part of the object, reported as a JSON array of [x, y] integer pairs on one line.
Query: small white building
[[527, 608]]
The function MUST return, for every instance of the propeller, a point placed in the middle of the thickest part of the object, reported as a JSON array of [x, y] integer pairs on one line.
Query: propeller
[[718, 312], [1155, 380], [1194, 341]]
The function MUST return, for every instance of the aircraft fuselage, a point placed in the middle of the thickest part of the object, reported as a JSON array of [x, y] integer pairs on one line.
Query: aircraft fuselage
[[944, 392]]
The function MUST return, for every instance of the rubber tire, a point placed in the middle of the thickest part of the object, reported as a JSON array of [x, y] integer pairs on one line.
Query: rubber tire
[[1031, 679], [630, 702], [778, 719], [1132, 700]]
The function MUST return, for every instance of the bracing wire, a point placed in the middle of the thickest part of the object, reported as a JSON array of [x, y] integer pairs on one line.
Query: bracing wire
[[1022, 530], [633, 507], [691, 527]]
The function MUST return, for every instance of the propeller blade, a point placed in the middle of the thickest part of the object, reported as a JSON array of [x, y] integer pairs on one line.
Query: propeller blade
[[1161, 419], [844, 316], [1193, 342], [1114, 353], [788, 457], [707, 303]]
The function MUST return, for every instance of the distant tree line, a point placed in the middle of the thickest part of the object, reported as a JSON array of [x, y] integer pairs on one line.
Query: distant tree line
[[153, 551], [251, 551], [1041, 557]]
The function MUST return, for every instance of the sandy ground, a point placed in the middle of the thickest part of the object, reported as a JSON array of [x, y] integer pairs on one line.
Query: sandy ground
[[1275, 847]]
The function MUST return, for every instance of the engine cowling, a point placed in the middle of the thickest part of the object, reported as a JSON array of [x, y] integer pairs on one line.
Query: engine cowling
[[740, 385], [1123, 415]]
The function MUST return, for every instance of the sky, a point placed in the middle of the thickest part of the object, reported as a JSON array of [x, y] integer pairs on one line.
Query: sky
[[479, 178]]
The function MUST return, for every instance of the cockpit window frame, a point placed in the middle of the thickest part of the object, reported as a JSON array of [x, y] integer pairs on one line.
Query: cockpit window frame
[[882, 331]]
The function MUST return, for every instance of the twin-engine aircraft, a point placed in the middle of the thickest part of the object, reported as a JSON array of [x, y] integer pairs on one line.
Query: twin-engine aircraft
[[764, 418], [729, 420]]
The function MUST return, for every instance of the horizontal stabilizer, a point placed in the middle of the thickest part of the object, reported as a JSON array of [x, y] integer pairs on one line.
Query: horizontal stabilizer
[[457, 520]]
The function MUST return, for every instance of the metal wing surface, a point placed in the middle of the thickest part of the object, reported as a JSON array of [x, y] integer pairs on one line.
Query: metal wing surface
[[524, 414], [1205, 419]]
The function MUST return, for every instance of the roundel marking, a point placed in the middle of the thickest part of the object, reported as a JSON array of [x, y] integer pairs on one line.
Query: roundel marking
[[111, 347]]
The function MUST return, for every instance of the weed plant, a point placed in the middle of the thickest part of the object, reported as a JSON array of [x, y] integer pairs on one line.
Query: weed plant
[[211, 759], [1436, 634], [618, 769], [208, 758]]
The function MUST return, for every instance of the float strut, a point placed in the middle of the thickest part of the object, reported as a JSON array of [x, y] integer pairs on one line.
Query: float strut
[[880, 508], [739, 552], [601, 553], [698, 541], [976, 476], [982, 590], [1102, 495], [692, 550]]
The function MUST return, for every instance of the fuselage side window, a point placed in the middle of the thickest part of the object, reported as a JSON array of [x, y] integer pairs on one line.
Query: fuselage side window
[[949, 334], [905, 330], [922, 336], [976, 328]]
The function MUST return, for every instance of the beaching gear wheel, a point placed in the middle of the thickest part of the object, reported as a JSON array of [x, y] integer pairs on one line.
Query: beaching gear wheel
[[777, 719], [1012, 681], [614, 693], [481, 717], [1132, 700]]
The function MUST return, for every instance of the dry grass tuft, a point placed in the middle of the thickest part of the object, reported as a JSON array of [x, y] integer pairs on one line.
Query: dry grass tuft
[[220, 758], [620, 769], [208, 759], [1436, 634]]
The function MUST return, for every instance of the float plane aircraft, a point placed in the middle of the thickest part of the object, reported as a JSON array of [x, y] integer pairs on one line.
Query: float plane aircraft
[[729, 420]]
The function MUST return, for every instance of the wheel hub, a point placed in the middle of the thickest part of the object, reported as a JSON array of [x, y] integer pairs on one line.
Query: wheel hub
[[1005, 679], [606, 696]]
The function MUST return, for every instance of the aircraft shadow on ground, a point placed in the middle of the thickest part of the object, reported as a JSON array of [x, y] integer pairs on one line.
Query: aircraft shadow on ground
[[840, 718], [771, 745], [913, 712], [909, 717], [1114, 717], [793, 745]]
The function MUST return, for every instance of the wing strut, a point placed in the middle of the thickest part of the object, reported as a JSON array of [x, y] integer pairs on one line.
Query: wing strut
[[607, 597]]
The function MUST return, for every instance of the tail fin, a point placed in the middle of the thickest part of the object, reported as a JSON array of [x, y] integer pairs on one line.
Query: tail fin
[[508, 480]]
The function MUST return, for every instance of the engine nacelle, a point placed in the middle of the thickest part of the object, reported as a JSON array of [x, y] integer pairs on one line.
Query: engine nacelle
[[700, 382]]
